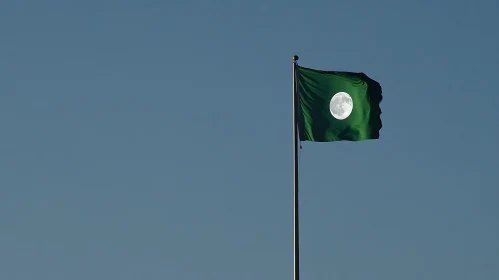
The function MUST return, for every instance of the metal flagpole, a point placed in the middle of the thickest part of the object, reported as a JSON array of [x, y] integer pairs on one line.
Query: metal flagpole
[[295, 154]]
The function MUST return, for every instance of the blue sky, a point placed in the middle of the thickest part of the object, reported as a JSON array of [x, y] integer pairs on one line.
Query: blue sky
[[153, 140]]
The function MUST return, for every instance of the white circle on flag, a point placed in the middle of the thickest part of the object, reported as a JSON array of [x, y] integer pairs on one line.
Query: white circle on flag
[[341, 105]]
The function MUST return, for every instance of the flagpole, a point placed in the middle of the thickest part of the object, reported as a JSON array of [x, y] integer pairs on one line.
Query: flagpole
[[295, 155]]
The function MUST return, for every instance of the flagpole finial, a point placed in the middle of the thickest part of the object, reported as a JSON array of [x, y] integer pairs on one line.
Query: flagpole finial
[[295, 58]]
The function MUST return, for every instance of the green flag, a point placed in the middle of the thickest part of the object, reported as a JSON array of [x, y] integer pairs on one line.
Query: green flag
[[337, 106]]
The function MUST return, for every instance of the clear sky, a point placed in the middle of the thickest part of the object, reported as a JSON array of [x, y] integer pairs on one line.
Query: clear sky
[[153, 140]]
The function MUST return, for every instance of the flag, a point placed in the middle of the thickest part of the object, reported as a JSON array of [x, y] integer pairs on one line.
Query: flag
[[337, 106]]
